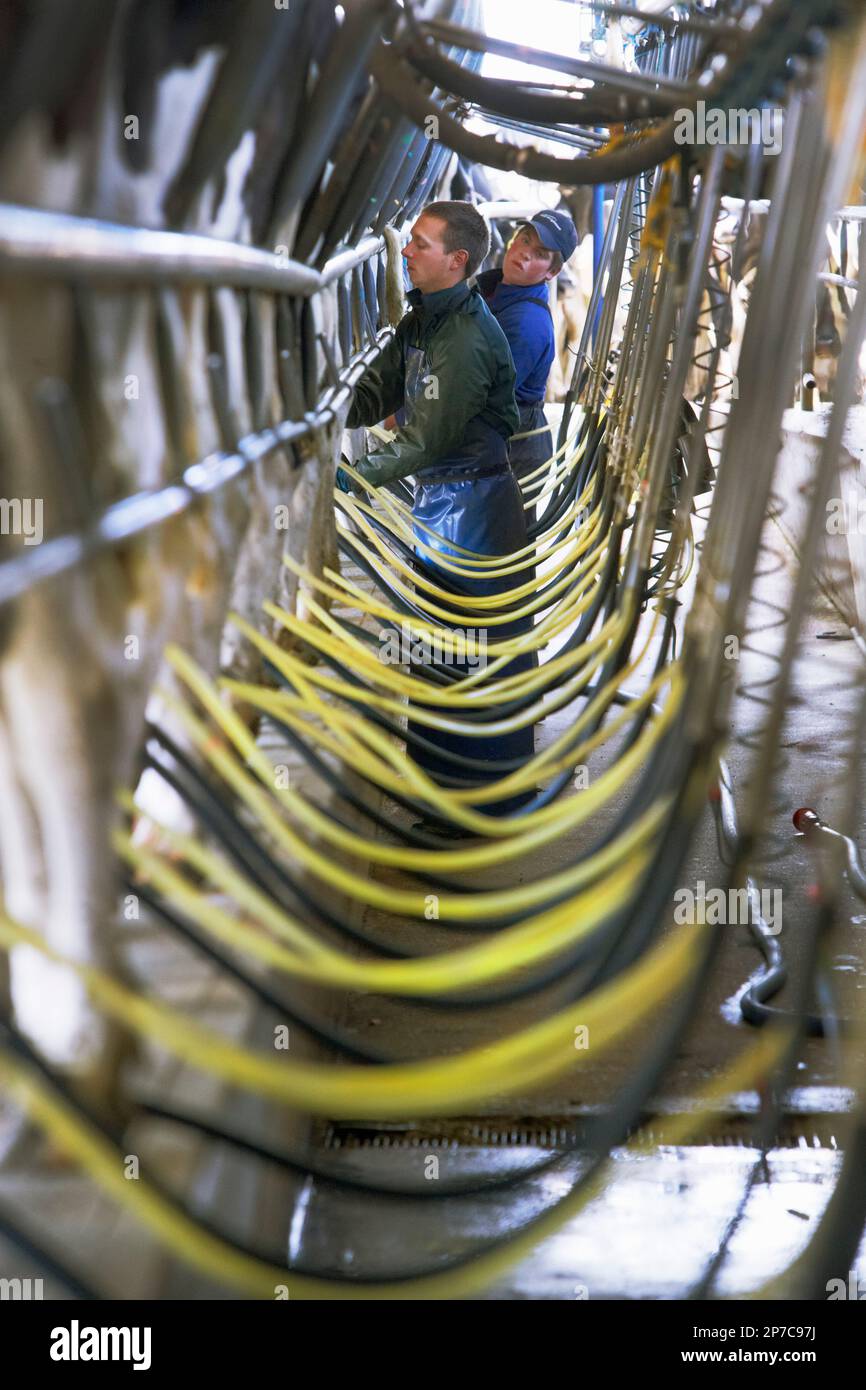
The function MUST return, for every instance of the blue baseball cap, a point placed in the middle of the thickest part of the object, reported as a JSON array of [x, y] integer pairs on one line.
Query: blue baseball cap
[[555, 230]]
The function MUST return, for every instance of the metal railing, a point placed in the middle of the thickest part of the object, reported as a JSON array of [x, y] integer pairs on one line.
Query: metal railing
[[75, 250]]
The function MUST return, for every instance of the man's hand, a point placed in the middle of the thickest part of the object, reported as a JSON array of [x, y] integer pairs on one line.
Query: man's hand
[[343, 481]]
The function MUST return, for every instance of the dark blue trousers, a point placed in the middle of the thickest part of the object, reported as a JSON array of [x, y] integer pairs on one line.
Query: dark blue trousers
[[481, 509]]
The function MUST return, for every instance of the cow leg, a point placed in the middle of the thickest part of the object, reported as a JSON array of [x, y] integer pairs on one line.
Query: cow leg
[[63, 720]]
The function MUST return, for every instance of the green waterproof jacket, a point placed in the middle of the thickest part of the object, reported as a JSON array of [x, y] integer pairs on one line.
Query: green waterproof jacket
[[467, 375]]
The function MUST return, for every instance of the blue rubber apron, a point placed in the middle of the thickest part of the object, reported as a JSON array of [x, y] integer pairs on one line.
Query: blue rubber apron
[[472, 499], [527, 455]]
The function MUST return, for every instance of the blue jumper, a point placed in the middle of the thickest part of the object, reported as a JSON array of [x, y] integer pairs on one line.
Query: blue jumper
[[523, 314]]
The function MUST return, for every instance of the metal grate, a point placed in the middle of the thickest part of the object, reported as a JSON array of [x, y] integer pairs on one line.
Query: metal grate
[[796, 1131]]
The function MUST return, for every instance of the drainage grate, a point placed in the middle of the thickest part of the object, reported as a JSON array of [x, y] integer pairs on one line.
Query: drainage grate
[[461, 1134], [796, 1131]]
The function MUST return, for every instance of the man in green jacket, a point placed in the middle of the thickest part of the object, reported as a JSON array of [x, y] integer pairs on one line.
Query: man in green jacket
[[449, 377], [448, 365]]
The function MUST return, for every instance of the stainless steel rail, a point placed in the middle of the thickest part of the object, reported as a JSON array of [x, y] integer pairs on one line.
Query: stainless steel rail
[[59, 245]]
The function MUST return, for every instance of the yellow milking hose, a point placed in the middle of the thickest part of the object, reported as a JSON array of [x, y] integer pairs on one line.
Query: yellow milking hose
[[256, 1278]]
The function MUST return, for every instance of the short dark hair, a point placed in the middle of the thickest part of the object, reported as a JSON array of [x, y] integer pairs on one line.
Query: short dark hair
[[465, 230]]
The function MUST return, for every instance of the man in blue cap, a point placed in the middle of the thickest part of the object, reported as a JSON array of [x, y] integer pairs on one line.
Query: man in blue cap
[[517, 296]]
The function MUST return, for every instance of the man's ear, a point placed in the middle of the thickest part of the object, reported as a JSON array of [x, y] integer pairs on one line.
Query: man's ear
[[461, 261]]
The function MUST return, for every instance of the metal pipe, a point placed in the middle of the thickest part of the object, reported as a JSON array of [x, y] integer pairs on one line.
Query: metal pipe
[[499, 211], [62, 246], [694, 23], [587, 106], [843, 280], [595, 307], [572, 139], [597, 243], [613, 79], [664, 430], [338, 265], [809, 823]]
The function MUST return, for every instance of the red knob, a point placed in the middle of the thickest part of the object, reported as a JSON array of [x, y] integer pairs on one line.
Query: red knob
[[805, 819]]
